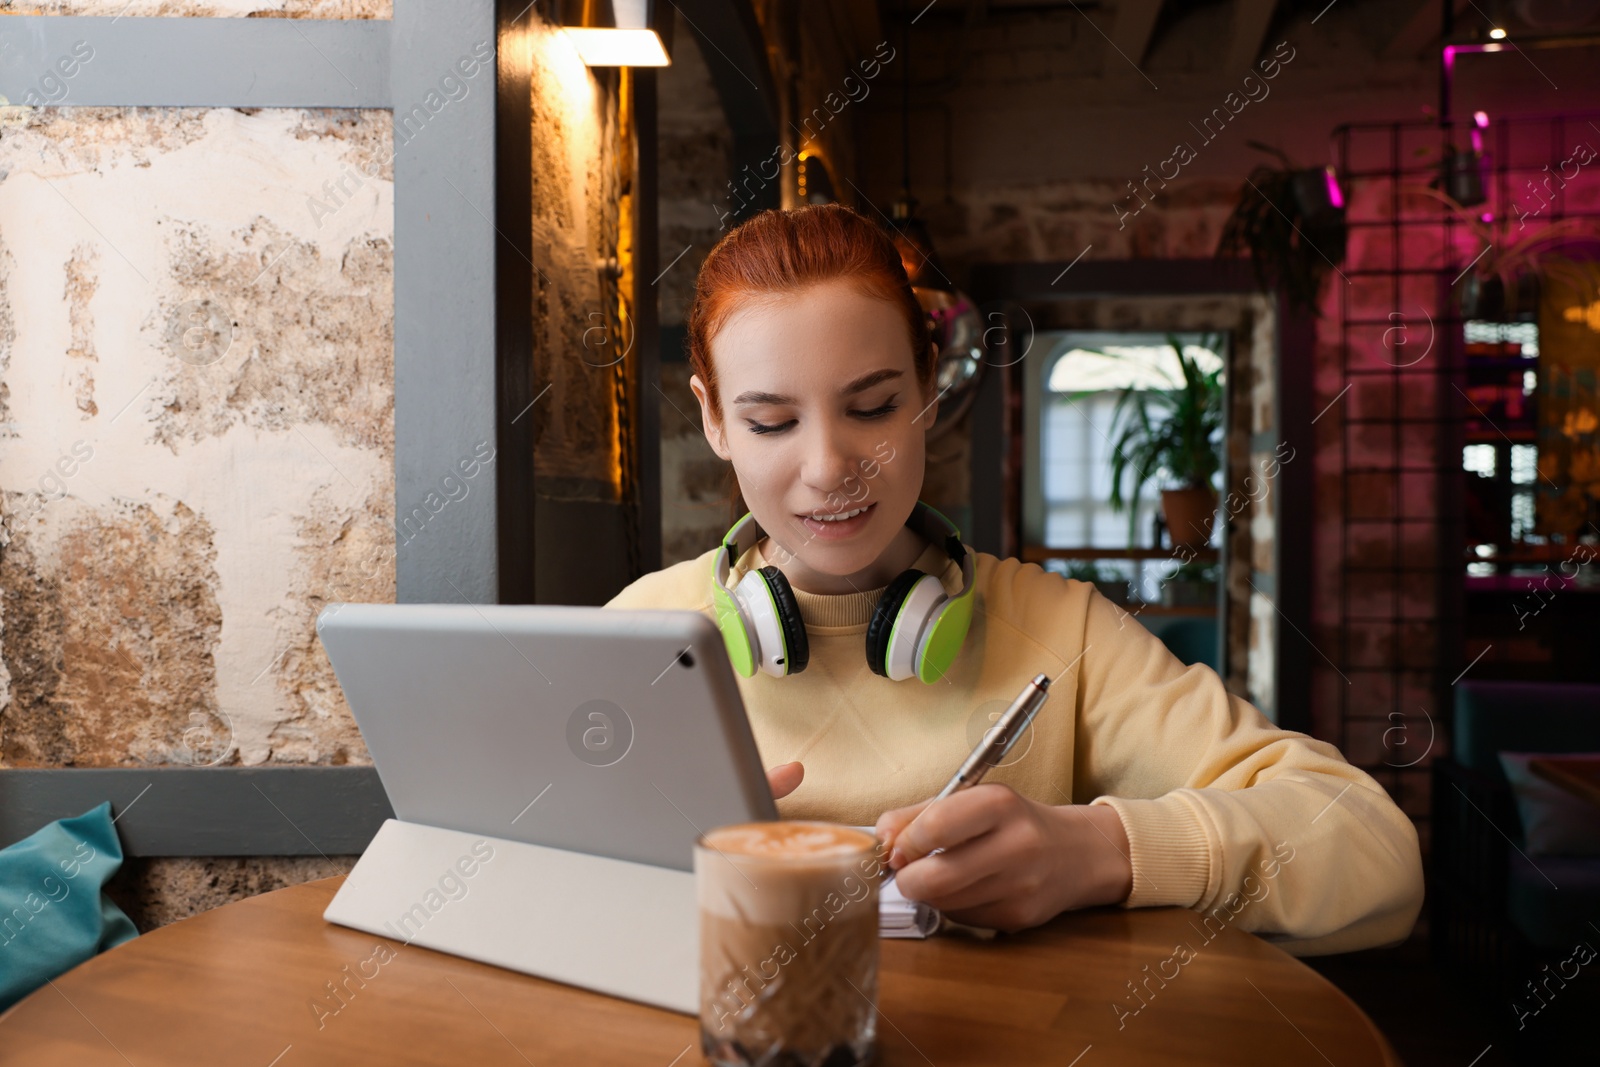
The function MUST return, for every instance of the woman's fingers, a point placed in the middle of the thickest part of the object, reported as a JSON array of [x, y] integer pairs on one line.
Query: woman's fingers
[[975, 889], [947, 823], [784, 778], [890, 823]]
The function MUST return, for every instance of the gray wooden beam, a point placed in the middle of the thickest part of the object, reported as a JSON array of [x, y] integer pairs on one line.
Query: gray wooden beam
[[445, 245], [194, 62], [205, 811], [1251, 20]]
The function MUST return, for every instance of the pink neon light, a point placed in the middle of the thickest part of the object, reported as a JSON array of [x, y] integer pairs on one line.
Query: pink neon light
[[1335, 194], [1481, 118]]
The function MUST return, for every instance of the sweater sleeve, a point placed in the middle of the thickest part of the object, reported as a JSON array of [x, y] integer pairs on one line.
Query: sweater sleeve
[[1264, 829]]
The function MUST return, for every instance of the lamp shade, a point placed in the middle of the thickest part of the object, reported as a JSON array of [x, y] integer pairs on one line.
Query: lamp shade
[[630, 43]]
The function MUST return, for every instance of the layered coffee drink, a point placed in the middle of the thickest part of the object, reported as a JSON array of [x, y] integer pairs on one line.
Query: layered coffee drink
[[788, 944]]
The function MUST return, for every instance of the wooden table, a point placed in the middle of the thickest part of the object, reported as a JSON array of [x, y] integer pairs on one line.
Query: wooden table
[[236, 985], [1579, 775]]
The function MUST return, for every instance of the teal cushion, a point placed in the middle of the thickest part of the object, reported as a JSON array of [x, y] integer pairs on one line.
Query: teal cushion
[[1192, 639], [1554, 821], [53, 913], [1495, 717]]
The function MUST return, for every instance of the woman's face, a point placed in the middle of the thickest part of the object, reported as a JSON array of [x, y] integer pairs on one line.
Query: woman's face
[[822, 415]]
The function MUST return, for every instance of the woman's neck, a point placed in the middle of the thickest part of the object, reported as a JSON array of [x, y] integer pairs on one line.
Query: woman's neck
[[907, 547]]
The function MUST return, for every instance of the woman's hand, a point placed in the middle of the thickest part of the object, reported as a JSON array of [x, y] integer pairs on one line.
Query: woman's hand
[[784, 778], [1008, 862]]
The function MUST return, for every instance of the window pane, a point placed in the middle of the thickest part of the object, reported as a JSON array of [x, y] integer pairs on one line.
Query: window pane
[[1084, 381]]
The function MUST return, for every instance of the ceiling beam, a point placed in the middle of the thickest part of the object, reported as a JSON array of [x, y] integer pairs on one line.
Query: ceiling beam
[[736, 54], [1423, 28], [1251, 20], [1134, 25]]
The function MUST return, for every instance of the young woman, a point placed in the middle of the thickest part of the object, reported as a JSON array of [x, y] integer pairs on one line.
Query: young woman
[[1142, 781]]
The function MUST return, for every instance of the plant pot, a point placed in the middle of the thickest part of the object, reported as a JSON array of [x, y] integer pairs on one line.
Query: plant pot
[[1116, 592], [1461, 174], [1181, 593], [1190, 514], [1488, 299]]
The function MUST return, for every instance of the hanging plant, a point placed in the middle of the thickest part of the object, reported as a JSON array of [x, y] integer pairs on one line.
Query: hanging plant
[[1289, 221], [1503, 282]]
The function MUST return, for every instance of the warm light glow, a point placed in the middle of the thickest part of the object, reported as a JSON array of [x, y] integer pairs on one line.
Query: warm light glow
[[1481, 118], [618, 48], [1588, 316], [1497, 34]]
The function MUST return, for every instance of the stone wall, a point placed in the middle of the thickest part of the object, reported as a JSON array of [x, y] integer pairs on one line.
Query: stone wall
[[695, 153], [200, 441], [196, 419]]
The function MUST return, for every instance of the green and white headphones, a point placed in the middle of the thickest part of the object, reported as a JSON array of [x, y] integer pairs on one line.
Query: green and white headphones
[[916, 628]]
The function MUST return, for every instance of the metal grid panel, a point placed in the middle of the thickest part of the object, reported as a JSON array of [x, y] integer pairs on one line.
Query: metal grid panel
[[1407, 262]]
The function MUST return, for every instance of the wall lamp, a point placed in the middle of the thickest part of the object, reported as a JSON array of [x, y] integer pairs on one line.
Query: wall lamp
[[626, 35]]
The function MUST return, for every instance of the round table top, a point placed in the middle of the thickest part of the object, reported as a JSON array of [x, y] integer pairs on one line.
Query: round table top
[[241, 984]]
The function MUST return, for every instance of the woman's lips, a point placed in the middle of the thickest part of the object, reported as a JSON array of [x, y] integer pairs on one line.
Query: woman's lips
[[838, 530]]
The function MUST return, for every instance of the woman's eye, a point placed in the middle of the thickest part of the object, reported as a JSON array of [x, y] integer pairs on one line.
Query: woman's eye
[[875, 413], [756, 427]]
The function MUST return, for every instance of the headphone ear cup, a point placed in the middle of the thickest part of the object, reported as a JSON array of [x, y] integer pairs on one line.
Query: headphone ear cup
[[884, 616], [735, 633], [789, 619]]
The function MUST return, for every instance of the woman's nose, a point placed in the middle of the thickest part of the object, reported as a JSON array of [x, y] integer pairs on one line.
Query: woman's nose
[[830, 466]]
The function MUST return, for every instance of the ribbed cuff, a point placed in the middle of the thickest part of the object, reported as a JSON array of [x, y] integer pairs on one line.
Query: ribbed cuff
[[1170, 850]]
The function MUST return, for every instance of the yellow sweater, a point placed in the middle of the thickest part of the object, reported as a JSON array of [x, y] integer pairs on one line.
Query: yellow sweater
[[1262, 829]]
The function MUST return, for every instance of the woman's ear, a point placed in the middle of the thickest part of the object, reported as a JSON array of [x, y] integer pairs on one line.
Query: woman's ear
[[710, 424]]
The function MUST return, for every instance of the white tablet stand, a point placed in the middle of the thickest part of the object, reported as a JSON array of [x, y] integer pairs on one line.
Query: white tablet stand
[[627, 929]]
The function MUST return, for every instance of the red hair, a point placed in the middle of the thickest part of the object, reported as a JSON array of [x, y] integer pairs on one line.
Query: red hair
[[778, 252]]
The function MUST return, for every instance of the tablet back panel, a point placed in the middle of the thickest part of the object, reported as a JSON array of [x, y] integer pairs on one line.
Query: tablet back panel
[[616, 733]]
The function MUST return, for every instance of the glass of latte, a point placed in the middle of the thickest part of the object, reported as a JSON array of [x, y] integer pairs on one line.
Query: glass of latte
[[788, 944]]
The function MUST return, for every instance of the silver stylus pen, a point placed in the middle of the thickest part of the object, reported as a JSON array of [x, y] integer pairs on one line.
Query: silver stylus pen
[[996, 742]]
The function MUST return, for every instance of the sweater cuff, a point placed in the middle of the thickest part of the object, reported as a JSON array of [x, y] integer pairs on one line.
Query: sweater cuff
[[1170, 851]]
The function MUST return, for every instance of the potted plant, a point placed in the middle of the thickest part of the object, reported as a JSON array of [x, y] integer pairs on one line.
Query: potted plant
[[1290, 222], [1174, 433]]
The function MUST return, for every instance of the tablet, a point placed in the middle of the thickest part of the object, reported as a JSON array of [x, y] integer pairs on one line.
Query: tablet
[[612, 732]]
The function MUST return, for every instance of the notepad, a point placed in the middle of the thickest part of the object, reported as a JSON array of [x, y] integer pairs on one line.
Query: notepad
[[899, 917]]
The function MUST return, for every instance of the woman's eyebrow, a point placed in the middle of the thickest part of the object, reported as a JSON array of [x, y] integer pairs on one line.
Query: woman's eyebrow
[[860, 385]]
